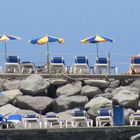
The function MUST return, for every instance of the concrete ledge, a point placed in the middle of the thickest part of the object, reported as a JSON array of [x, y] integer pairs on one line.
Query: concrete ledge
[[105, 133], [70, 76]]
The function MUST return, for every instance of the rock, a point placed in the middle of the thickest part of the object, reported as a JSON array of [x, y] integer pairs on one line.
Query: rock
[[9, 85], [34, 85], [136, 84], [39, 104], [114, 84], [70, 89], [105, 95], [97, 83], [108, 90], [127, 97], [58, 82], [98, 102], [11, 94], [63, 103], [135, 137], [4, 100], [128, 88], [26, 112], [127, 113], [90, 91], [8, 109]]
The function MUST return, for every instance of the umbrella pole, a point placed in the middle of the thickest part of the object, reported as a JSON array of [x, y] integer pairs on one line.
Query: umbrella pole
[[97, 51], [5, 51], [48, 58]]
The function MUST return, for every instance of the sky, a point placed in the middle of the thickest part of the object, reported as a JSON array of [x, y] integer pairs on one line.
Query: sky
[[72, 20]]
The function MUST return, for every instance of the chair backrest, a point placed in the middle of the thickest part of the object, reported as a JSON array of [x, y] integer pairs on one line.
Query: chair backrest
[[26, 62], [79, 113], [31, 116], [102, 60], [104, 112], [57, 60], [81, 60], [1, 117], [15, 117], [13, 59], [135, 60]]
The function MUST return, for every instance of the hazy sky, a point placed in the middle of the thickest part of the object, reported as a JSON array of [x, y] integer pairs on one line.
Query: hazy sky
[[72, 20]]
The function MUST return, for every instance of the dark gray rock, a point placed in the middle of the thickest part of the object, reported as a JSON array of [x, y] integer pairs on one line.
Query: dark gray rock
[[108, 90], [98, 102], [9, 85], [97, 83], [90, 91], [65, 103], [70, 89], [114, 84], [39, 104], [34, 85]]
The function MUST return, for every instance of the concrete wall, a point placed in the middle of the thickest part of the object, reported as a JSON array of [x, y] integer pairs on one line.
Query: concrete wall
[[107, 133]]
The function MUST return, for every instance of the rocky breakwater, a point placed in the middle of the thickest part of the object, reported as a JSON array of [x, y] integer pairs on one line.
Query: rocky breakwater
[[39, 95]]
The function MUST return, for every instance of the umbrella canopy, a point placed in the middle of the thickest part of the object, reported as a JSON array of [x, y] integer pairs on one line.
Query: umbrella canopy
[[46, 40], [6, 38], [96, 39]]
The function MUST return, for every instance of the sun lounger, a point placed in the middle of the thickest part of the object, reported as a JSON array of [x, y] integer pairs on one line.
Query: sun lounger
[[57, 65], [13, 121], [102, 63], [13, 64], [134, 118], [53, 119], [28, 67], [80, 66], [31, 118], [80, 118], [104, 117]]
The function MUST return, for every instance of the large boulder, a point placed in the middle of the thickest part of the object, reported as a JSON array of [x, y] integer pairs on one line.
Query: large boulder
[[90, 91], [102, 84], [34, 85], [12, 94], [106, 95], [136, 84], [126, 97], [70, 89], [63, 103], [39, 104], [8, 109], [99, 102], [11, 84]]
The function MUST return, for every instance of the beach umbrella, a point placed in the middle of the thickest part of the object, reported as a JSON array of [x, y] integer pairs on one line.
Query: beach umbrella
[[96, 39], [46, 40], [4, 38]]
